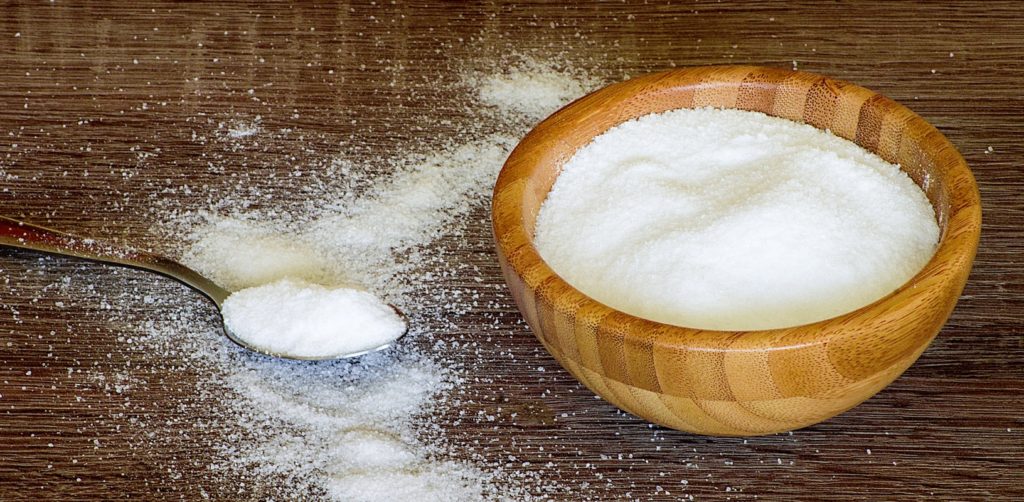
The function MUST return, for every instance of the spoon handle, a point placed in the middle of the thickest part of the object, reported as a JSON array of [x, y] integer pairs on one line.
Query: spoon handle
[[19, 234]]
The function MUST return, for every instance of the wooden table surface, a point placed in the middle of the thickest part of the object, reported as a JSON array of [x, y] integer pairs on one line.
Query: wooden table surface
[[99, 108]]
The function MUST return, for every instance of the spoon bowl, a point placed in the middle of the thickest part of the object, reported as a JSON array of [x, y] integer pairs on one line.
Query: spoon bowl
[[23, 235]]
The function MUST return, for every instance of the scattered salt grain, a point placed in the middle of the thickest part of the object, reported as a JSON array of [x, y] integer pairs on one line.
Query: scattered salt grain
[[237, 254], [241, 130], [533, 90], [733, 220], [303, 320], [371, 428]]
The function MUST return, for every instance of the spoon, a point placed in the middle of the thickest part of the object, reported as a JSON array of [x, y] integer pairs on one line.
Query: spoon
[[19, 234]]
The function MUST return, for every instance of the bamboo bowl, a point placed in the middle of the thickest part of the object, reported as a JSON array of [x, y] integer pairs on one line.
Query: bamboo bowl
[[744, 382]]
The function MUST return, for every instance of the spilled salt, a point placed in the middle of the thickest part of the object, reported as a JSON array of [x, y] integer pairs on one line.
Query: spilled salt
[[239, 254], [733, 220], [240, 130], [371, 428], [303, 320], [531, 90]]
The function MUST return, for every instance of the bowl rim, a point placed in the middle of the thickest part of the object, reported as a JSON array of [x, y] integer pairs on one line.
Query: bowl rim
[[946, 269]]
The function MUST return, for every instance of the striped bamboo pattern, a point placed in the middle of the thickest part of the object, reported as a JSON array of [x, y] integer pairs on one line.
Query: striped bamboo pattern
[[752, 382]]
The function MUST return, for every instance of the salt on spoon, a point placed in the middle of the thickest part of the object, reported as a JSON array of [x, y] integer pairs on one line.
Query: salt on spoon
[[287, 319], [310, 321]]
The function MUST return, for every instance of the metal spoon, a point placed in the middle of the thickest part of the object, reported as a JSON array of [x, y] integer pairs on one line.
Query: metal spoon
[[19, 234]]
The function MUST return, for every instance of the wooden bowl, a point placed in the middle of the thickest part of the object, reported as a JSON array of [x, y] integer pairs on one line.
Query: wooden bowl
[[737, 383]]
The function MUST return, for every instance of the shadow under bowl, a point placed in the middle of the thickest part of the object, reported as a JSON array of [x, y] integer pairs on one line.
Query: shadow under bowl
[[738, 383]]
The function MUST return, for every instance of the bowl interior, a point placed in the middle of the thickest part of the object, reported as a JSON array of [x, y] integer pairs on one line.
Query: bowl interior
[[874, 122], [867, 118]]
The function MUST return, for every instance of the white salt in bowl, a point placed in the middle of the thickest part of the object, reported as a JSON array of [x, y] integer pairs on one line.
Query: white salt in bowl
[[738, 383]]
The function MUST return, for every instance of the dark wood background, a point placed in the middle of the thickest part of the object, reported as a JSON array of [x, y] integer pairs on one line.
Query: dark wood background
[[99, 104]]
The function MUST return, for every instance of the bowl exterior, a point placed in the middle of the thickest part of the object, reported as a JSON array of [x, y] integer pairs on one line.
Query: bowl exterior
[[752, 382]]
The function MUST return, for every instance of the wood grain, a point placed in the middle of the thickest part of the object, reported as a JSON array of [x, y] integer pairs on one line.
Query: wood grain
[[81, 153], [747, 382]]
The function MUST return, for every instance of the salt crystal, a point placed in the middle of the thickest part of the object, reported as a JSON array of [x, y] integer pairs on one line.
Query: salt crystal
[[533, 89], [733, 220], [238, 254], [304, 320]]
